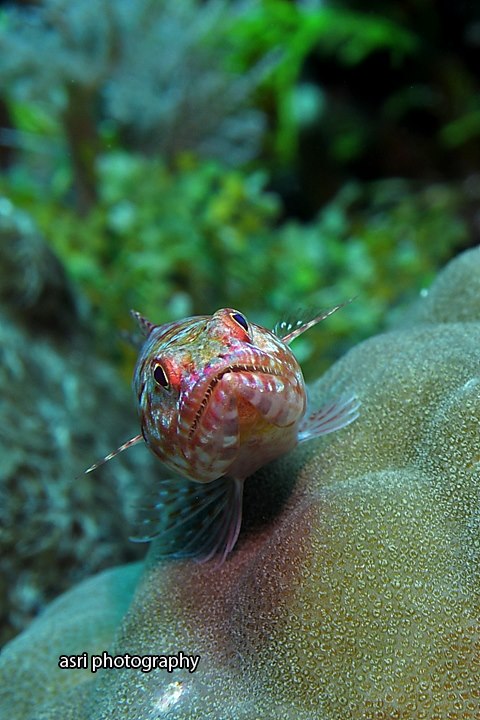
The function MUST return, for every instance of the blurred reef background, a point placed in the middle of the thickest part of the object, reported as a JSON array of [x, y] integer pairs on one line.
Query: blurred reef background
[[177, 157]]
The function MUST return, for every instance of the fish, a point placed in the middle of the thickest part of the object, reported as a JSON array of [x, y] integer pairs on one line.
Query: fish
[[219, 397]]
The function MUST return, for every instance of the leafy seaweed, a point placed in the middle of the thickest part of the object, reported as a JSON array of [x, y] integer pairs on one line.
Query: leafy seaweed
[[293, 31]]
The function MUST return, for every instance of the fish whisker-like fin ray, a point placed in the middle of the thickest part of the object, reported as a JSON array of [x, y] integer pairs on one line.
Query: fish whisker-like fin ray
[[110, 456]]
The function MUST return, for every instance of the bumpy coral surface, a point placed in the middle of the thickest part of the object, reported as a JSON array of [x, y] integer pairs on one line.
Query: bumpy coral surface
[[354, 591]]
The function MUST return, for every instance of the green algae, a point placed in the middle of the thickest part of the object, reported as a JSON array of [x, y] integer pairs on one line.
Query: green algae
[[357, 598]]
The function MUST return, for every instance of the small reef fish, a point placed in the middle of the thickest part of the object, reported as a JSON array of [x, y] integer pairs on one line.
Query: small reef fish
[[218, 398]]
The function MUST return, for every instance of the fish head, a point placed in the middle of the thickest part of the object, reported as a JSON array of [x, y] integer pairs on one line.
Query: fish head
[[217, 395]]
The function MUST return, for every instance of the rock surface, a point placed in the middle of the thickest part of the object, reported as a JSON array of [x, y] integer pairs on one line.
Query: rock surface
[[354, 591], [61, 408]]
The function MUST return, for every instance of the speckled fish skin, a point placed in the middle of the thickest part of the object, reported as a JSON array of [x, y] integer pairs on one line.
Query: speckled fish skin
[[218, 398], [234, 401]]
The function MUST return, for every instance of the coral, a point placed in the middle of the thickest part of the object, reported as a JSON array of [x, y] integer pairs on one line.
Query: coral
[[354, 591], [33, 282], [61, 408]]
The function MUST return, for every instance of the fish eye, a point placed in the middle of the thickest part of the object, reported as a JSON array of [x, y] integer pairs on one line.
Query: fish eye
[[240, 320], [160, 376]]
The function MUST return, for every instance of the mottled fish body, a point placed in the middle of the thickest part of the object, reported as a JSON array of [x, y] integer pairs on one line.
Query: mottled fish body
[[218, 398]]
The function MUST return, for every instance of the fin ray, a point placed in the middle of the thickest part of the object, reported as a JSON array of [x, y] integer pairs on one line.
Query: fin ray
[[172, 522], [330, 417], [110, 456], [293, 326], [190, 519], [145, 325]]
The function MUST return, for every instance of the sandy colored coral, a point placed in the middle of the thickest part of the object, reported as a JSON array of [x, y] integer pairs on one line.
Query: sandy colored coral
[[354, 591]]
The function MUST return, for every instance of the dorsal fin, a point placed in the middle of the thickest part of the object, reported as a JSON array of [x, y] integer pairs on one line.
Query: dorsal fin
[[291, 327], [145, 325]]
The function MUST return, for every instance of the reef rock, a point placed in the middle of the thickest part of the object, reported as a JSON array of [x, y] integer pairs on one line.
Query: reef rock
[[354, 590], [61, 407]]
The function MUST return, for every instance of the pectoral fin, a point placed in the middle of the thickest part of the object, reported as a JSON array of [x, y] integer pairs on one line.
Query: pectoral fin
[[191, 519], [330, 417]]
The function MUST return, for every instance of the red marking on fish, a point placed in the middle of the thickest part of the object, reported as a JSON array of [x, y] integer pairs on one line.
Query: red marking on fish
[[218, 398]]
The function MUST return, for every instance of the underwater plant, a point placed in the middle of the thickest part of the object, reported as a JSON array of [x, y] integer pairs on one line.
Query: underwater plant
[[296, 31], [156, 237]]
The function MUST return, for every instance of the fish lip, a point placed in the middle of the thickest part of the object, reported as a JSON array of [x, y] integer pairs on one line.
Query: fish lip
[[265, 364]]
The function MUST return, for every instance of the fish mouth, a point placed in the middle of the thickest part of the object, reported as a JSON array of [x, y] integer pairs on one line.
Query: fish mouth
[[217, 377]]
